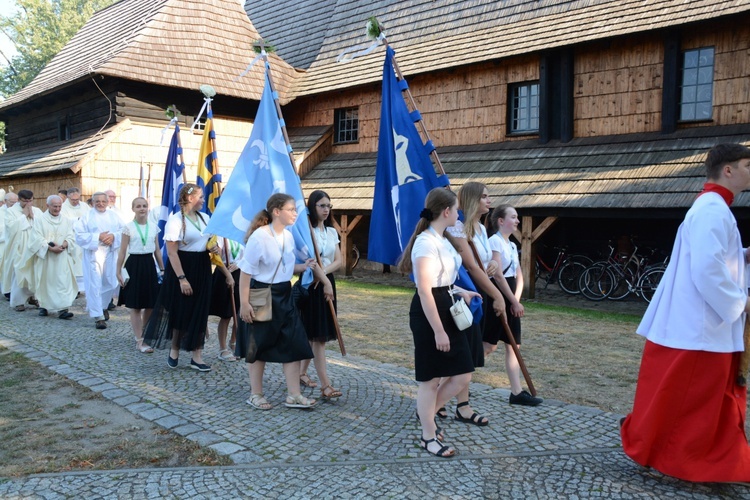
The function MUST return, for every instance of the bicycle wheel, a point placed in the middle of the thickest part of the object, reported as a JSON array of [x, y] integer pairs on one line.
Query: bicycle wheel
[[568, 276], [649, 282], [583, 259], [597, 281], [625, 282]]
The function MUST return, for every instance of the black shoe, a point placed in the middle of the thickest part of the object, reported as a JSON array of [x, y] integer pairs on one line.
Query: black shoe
[[65, 314], [201, 367], [525, 399], [33, 302], [172, 362], [7, 296], [111, 306], [106, 315], [100, 325], [42, 311]]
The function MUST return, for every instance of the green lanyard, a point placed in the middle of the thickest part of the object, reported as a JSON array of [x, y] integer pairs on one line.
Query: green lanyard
[[144, 238], [196, 225]]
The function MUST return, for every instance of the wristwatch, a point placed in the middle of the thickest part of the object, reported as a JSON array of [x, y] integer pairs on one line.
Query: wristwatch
[[182, 277]]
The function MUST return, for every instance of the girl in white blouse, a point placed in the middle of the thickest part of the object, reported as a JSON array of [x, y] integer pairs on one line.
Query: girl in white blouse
[[442, 360], [316, 312], [269, 262], [504, 220], [180, 317], [140, 246]]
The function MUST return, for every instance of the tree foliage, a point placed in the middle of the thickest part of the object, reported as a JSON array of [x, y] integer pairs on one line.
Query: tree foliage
[[39, 29]]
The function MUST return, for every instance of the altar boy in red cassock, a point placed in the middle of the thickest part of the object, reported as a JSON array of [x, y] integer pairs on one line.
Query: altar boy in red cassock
[[688, 419]]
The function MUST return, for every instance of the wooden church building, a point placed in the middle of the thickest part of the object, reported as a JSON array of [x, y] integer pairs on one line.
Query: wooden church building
[[591, 117]]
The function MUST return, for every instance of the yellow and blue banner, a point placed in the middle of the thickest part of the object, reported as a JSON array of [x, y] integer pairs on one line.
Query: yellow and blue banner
[[209, 178]]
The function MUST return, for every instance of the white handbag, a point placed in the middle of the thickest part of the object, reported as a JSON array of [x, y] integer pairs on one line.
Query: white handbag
[[461, 313]]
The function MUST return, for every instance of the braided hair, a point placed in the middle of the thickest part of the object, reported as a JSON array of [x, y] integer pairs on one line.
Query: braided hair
[[183, 200]]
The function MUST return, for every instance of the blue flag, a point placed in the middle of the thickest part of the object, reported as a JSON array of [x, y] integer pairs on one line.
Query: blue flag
[[173, 181], [263, 168], [403, 176]]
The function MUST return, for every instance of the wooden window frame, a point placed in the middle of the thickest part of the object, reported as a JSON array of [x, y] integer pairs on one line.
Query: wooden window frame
[[513, 107], [346, 127]]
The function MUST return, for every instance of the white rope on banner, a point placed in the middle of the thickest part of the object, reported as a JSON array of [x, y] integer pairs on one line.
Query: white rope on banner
[[166, 129], [206, 103], [361, 50], [250, 66]]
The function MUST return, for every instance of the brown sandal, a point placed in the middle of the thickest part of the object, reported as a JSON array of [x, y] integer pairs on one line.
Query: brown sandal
[[307, 381], [329, 392]]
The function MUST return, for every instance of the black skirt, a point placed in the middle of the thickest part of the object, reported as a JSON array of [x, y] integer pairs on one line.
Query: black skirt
[[316, 313], [221, 296], [494, 331], [281, 340], [429, 363], [182, 316], [142, 288]]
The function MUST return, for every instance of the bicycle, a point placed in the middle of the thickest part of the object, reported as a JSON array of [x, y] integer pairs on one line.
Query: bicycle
[[565, 270], [615, 279]]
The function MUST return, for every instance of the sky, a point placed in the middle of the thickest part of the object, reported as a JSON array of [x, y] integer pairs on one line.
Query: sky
[[7, 7]]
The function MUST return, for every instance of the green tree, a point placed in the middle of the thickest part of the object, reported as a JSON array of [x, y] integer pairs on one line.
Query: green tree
[[39, 29]]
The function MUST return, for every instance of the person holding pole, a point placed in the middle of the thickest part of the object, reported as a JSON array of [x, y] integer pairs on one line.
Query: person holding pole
[[180, 316], [315, 311], [140, 245], [503, 221], [225, 296], [269, 262], [442, 360]]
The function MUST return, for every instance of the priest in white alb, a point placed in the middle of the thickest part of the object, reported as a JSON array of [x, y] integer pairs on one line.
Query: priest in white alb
[[73, 209], [18, 276], [50, 251], [99, 233], [7, 200]]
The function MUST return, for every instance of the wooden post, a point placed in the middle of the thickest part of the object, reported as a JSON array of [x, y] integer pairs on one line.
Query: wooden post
[[529, 237], [344, 228]]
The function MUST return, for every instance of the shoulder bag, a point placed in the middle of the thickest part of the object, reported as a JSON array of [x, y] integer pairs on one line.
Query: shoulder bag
[[260, 298]]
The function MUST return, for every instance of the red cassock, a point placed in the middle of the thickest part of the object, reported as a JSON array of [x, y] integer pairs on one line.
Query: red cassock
[[688, 416]]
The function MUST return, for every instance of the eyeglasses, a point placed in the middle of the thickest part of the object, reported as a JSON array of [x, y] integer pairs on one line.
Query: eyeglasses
[[293, 210], [323, 205]]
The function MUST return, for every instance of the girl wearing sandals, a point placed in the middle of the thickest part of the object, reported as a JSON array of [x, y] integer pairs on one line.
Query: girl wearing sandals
[[442, 360], [180, 317], [139, 293], [316, 313], [269, 261], [470, 235], [222, 304], [504, 220]]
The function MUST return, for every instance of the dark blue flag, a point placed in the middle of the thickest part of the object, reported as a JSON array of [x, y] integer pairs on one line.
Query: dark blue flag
[[173, 181], [404, 173]]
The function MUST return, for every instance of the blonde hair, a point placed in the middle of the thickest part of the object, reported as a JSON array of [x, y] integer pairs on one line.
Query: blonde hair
[[132, 204], [437, 200], [469, 198]]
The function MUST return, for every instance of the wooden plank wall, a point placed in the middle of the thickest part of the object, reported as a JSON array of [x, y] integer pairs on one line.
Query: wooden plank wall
[[461, 106], [43, 185], [617, 86], [118, 166], [85, 112]]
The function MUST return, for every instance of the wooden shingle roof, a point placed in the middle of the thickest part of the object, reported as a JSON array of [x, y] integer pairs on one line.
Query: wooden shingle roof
[[431, 35], [624, 171], [67, 155], [175, 43]]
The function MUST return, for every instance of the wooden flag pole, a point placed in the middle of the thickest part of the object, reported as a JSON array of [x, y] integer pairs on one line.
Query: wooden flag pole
[[413, 103], [262, 47], [215, 165]]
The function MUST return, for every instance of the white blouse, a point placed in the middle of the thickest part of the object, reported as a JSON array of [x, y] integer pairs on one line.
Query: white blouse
[[480, 240], [262, 255], [508, 254], [327, 240], [193, 237], [136, 246], [443, 262]]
